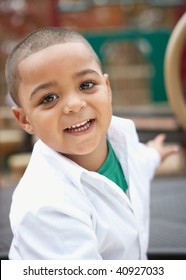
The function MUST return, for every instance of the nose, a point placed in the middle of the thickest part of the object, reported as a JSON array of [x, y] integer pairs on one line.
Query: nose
[[74, 103]]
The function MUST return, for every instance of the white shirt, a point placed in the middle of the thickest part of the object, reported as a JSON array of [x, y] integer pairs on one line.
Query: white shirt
[[63, 211]]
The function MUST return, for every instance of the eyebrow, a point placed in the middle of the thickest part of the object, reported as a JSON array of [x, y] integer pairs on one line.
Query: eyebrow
[[42, 86], [86, 71]]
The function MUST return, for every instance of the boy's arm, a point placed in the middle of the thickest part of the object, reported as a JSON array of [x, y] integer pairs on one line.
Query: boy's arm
[[158, 143], [153, 152]]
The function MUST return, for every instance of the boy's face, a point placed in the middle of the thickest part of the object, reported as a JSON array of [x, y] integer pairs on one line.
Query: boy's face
[[65, 99]]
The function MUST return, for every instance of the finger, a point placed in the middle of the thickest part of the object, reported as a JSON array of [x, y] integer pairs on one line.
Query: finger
[[158, 141], [160, 138], [169, 150], [173, 149]]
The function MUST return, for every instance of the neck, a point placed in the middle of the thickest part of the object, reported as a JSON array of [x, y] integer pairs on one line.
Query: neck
[[94, 160]]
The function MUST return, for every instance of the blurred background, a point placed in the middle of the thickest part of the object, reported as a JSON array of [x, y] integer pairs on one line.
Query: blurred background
[[130, 37]]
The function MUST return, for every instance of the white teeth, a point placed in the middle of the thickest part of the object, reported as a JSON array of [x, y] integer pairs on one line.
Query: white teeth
[[77, 125]]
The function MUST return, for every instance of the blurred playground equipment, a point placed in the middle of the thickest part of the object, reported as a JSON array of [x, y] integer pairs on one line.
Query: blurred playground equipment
[[174, 63]]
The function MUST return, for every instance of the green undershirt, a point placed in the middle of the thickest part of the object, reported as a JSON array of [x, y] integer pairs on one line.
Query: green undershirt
[[111, 169]]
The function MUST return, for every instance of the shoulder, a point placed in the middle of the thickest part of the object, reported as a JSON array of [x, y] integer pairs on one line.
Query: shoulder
[[122, 123], [121, 126]]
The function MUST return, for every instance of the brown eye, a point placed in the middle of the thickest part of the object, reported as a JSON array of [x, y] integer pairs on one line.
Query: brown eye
[[49, 98], [86, 85]]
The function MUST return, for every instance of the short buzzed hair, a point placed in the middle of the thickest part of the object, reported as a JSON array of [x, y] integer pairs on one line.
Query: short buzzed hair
[[34, 42]]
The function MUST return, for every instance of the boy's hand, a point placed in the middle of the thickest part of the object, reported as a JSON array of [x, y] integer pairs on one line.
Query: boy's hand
[[158, 143]]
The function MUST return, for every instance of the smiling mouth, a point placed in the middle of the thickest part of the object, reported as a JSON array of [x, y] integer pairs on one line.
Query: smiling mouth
[[79, 127]]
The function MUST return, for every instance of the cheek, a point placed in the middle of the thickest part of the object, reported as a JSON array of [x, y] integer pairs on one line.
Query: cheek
[[107, 103], [104, 106], [103, 98], [39, 125], [47, 126]]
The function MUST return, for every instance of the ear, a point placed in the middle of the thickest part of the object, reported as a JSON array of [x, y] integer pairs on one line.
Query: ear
[[106, 77], [22, 119]]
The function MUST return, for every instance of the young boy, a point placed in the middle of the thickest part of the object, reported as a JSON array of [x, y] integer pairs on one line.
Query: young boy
[[85, 193]]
